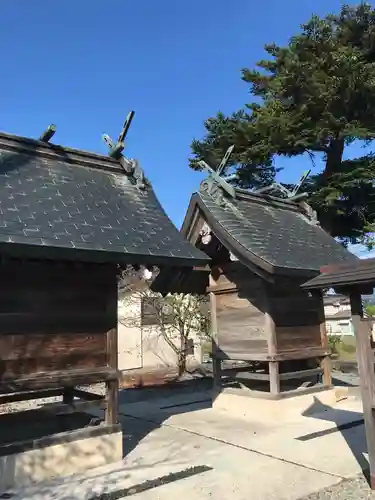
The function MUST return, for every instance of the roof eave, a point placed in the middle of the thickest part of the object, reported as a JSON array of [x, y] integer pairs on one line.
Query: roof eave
[[29, 251]]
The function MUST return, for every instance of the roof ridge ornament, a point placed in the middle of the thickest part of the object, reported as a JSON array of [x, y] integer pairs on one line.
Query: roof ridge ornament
[[48, 133], [216, 184], [290, 195], [130, 165], [293, 196]]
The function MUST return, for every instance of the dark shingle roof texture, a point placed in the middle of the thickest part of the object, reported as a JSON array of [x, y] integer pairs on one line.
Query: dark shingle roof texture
[[66, 200], [276, 233]]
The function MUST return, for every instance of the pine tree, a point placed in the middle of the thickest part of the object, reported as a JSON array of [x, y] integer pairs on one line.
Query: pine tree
[[315, 96]]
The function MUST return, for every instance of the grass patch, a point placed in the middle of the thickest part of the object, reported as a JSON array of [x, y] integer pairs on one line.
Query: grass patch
[[347, 350], [343, 347]]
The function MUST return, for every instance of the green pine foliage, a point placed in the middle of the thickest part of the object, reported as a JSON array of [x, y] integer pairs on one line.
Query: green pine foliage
[[315, 96]]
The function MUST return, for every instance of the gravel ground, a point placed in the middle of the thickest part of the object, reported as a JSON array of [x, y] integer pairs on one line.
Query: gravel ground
[[38, 403], [132, 395], [354, 489]]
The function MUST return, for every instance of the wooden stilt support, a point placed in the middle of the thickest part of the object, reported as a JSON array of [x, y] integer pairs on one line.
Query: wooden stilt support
[[216, 361], [274, 377], [216, 372], [112, 386], [325, 362], [68, 396]]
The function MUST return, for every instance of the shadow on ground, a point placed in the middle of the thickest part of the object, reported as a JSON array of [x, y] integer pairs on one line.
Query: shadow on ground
[[352, 430], [109, 484], [193, 395]]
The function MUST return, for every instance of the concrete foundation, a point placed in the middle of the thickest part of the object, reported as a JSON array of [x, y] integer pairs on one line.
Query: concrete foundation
[[243, 403], [59, 460]]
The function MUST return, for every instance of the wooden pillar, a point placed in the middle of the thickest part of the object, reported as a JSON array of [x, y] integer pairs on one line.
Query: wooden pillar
[[274, 377], [68, 396], [325, 362], [270, 330], [216, 372], [112, 386], [216, 361], [366, 373]]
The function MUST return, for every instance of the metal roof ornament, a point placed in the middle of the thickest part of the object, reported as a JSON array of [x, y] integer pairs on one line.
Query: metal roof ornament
[[216, 185], [48, 133], [115, 149], [290, 195]]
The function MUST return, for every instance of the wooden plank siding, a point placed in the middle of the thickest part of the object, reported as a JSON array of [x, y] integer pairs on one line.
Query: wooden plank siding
[[248, 308], [239, 310], [296, 315], [53, 317], [241, 325]]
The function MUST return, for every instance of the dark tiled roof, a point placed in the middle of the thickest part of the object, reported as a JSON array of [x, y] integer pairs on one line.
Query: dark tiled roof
[[62, 202], [276, 233]]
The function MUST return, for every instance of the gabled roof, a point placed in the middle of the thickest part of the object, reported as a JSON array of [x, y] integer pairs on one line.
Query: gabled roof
[[273, 234], [68, 204]]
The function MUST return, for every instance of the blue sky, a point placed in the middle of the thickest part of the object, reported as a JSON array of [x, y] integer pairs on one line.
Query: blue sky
[[84, 64]]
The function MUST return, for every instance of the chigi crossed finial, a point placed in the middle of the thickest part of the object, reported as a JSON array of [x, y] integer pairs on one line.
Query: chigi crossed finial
[[216, 175], [130, 166], [115, 149], [276, 187]]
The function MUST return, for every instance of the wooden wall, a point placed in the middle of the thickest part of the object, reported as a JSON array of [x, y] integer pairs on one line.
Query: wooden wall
[[239, 307], [255, 319], [54, 316], [296, 316]]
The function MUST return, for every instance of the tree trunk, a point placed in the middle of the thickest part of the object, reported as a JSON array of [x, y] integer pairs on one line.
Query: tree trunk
[[181, 356], [334, 157], [181, 363], [332, 166]]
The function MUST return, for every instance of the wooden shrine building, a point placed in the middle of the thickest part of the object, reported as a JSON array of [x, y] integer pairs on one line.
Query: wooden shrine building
[[262, 248], [70, 221]]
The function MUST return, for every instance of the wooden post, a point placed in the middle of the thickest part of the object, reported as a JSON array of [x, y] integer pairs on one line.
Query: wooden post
[[216, 372], [216, 362], [325, 362], [366, 374], [112, 385], [68, 396], [112, 360], [270, 328], [274, 377]]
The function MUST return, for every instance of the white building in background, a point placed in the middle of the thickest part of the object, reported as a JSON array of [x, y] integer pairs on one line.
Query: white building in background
[[338, 315], [141, 344]]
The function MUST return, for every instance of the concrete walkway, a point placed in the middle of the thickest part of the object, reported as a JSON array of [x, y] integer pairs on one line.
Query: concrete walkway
[[178, 447]]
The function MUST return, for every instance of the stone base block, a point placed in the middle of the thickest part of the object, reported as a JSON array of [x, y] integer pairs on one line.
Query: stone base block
[[242, 403], [71, 453]]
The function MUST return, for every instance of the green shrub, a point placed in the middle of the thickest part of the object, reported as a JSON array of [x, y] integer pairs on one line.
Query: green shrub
[[334, 342]]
